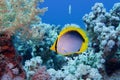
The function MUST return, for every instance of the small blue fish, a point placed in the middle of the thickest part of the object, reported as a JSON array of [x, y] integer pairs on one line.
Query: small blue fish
[[69, 9]]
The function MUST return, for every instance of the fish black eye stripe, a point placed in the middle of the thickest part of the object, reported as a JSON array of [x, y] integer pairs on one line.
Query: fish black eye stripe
[[56, 45]]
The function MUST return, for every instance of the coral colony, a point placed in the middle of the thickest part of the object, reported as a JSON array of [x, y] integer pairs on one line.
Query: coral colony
[[15, 15], [25, 43]]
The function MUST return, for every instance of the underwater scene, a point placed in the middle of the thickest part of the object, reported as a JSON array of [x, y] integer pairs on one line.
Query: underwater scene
[[59, 40]]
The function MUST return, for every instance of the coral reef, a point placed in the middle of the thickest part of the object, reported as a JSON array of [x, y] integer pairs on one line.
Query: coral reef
[[6, 46], [101, 60], [15, 14], [42, 37], [84, 66], [10, 67], [41, 74], [104, 32], [34, 69], [32, 39]]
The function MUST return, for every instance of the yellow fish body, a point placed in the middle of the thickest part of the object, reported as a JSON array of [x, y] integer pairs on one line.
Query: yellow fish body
[[72, 39]]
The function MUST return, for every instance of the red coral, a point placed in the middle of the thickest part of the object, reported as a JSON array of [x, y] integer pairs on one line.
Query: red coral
[[10, 67], [6, 46], [112, 65], [41, 74]]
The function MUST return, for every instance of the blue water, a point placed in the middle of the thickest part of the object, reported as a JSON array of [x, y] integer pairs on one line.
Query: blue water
[[58, 10]]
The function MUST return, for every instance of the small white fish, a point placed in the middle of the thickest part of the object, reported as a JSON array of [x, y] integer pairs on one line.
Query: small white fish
[[69, 8]]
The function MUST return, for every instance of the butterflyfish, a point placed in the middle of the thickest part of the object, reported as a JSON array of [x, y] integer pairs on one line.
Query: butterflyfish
[[72, 39]]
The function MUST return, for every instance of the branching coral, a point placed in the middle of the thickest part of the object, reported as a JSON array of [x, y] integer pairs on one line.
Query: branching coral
[[42, 37], [21, 15], [104, 33], [103, 51], [34, 69], [84, 66], [15, 14]]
